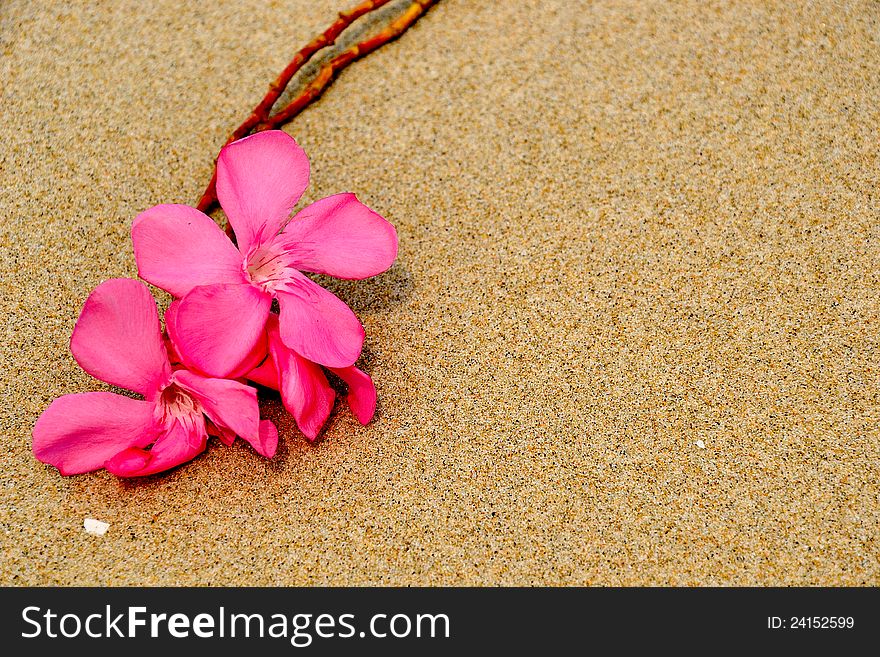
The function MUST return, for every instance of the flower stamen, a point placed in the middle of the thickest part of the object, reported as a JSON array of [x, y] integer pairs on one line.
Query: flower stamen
[[176, 404], [267, 267]]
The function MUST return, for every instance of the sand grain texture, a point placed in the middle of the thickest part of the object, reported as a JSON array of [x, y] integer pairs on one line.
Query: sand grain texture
[[625, 227]]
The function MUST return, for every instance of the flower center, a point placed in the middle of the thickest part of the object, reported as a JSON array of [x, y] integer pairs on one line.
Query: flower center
[[267, 266], [175, 403]]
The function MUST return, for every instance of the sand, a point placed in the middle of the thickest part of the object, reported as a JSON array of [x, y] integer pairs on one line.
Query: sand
[[626, 227]]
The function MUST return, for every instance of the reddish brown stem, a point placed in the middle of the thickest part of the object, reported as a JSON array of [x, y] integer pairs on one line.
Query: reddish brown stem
[[329, 70], [260, 119], [262, 110]]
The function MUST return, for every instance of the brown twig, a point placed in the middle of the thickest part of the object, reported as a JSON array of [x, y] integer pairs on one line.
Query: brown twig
[[260, 118], [261, 111], [343, 59]]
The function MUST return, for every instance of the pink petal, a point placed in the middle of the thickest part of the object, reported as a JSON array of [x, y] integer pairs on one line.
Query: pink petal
[[342, 237], [304, 388], [318, 325], [265, 375], [267, 441], [178, 248], [226, 436], [182, 442], [170, 325], [228, 404], [78, 433], [217, 327], [256, 355], [259, 180], [173, 356], [117, 337], [361, 392]]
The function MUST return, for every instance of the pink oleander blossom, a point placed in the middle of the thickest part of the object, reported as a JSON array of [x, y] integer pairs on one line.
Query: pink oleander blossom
[[304, 388], [226, 292], [117, 339]]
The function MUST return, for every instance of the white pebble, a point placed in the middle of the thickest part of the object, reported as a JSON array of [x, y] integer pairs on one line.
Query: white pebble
[[96, 527], [701, 444]]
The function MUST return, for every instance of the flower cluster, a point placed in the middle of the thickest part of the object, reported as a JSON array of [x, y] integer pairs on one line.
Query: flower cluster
[[221, 330]]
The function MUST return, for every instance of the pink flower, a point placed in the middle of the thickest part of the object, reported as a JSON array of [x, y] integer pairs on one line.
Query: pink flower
[[226, 293], [304, 389], [117, 339]]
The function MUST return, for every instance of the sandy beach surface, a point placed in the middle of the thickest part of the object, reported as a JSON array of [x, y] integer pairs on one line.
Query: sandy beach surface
[[631, 337]]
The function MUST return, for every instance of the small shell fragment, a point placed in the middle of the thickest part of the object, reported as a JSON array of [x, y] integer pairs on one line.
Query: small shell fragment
[[701, 444], [95, 527]]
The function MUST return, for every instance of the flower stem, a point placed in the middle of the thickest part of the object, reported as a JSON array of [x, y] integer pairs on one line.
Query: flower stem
[[343, 59], [261, 117]]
